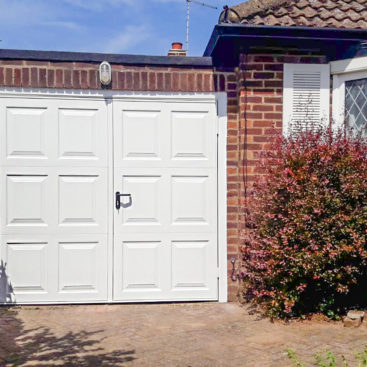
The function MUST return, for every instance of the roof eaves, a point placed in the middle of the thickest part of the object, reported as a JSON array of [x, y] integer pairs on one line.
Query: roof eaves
[[249, 34]]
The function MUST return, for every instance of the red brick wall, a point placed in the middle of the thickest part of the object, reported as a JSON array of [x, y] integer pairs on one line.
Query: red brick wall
[[73, 75], [260, 104]]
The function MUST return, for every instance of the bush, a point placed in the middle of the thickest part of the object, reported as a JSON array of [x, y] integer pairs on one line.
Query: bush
[[305, 249]]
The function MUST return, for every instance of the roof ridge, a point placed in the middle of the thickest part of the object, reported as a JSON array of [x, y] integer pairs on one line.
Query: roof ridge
[[253, 7]]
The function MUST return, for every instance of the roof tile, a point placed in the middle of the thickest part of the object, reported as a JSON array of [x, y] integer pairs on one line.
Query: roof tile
[[308, 13]]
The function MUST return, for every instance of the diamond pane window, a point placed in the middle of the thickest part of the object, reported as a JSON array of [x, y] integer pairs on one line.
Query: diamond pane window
[[356, 105]]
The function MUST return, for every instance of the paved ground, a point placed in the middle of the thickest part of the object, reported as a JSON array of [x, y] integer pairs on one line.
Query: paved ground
[[172, 335]]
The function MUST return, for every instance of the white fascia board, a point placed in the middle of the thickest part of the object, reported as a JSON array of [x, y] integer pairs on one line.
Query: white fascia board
[[349, 65]]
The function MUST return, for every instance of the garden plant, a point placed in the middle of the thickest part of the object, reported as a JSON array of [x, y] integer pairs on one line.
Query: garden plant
[[305, 248], [329, 359]]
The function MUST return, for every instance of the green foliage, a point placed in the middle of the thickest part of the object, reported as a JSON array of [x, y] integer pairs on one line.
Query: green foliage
[[293, 357], [305, 249], [328, 359]]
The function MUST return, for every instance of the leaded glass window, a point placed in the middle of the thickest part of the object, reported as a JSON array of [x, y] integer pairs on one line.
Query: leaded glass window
[[356, 105]]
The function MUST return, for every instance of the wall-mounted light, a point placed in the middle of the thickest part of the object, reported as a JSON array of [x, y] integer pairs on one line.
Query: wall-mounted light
[[105, 73]]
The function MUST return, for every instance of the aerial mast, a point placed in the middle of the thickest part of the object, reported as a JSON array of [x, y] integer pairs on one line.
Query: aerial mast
[[188, 18]]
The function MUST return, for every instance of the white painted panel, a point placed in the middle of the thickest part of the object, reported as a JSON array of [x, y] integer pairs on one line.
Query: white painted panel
[[26, 200], [144, 206], [140, 271], [26, 133], [141, 264], [78, 264], [140, 135], [190, 135], [190, 202], [78, 200], [77, 133], [39, 132], [189, 264], [27, 269]]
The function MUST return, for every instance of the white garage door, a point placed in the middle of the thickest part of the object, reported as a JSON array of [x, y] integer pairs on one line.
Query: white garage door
[[63, 237], [166, 231]]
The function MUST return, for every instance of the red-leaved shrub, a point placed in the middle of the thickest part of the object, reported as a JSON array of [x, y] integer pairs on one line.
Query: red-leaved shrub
[[305, 249]]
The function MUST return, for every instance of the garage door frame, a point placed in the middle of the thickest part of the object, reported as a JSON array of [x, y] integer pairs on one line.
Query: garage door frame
[[220, 99]]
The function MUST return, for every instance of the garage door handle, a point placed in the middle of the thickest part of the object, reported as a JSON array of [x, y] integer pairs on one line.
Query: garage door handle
[[118, 201]]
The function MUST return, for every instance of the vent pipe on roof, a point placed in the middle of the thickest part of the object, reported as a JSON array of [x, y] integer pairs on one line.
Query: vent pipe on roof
[[177, 50]]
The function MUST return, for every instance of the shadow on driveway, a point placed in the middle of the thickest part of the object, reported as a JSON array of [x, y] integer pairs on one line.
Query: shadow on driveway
[[41, 347]]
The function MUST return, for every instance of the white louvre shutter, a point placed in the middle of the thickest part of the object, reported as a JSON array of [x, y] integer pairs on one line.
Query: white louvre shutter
[[306, 96]]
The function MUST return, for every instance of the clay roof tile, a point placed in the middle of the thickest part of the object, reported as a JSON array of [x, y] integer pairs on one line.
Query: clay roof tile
[[309, 13]]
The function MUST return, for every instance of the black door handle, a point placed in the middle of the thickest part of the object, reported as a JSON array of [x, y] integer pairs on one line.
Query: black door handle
[[117, 199]]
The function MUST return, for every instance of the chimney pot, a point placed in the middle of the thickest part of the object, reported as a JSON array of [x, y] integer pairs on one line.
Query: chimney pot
[[176, 46], [177, 50]]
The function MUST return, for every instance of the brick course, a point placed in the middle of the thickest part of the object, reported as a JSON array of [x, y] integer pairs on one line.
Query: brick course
[[74, 75]]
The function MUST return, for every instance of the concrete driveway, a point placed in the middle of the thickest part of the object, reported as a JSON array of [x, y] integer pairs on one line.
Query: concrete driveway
[[182, 335]]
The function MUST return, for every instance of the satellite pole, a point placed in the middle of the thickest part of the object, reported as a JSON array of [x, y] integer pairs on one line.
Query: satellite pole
[[188, 18]]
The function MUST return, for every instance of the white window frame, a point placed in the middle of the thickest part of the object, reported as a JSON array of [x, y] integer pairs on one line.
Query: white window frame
[[343, 71]]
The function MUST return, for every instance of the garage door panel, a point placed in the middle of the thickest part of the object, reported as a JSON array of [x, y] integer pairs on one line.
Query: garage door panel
[[78, 134], [189, 264], [144, 210], [164, 134], [81, 132], [53, 132], [82, 267], [167, 200], [26, 133], [140, 263], [191, 202], [192, 267], [78, 196], [26, 270], [71, 268], [54, 200], [190, 136], [138, 131], [26, 200], [164, 267], [27, 264], [140, 135], [193, 133]]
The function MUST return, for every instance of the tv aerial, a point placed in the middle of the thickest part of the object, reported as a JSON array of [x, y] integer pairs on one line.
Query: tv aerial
[[188, 2]]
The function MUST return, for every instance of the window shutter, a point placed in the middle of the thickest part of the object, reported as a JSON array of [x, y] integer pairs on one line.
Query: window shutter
[[306, 96]]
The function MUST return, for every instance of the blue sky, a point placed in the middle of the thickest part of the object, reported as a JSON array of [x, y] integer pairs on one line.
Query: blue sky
[[113, 26]]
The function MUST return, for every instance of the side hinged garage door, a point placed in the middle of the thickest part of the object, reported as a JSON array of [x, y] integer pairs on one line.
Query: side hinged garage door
[[67, 234], [53, 200], [166, 229]]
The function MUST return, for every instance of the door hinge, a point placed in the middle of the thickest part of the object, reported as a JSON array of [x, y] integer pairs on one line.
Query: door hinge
[[218, 273]]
